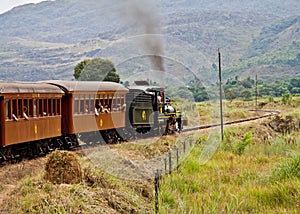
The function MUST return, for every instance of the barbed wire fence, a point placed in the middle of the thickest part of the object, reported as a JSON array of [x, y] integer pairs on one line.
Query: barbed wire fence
[[171, 162]]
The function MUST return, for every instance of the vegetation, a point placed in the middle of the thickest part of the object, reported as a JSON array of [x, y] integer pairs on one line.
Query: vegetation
[[244, 89], [96, 69], [255, 170]]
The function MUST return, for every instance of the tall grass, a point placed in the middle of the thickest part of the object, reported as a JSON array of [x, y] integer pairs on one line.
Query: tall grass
[[241, 177]]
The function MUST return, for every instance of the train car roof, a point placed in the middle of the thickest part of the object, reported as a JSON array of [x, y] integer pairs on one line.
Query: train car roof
[[148, 88], [87, 86], [28, 87]]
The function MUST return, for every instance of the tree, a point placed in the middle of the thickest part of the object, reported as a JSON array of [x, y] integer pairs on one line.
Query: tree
[[96, 70], [112, 76], [246, 94], [80, 67], [230, 94]]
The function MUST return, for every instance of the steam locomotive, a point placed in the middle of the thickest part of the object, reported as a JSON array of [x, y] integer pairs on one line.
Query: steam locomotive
[[36, 118]]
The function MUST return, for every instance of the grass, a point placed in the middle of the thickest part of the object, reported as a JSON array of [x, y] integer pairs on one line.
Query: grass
[[255, 170], [230, 183]]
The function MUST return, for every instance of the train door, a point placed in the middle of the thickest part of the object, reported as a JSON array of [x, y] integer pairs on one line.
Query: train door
[[2, 120]]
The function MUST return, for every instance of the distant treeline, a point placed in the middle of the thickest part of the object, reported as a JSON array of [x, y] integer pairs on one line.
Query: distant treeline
[[235, 88]]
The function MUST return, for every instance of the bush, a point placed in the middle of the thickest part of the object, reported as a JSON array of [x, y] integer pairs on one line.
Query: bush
[[241, 146]]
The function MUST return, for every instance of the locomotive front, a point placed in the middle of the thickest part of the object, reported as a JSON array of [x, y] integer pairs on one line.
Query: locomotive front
[[150, 112]]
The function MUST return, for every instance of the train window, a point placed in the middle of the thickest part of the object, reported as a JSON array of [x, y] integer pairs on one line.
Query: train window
[[101, 99], [45, 107], [34, 110], [8, 109], [58, 107], [121, 100], [82, 106], [37, 107], [92, 103], [76, 104], [87, 104], [20, 108], [30, 108], [40, 107], [50, 107], [114, 106], [26, 109], [105, 100], [14, 107], [110, 100], [54, 106]]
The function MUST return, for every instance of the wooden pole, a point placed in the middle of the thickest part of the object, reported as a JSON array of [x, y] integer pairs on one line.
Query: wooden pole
[[256, 94], [221, 105]]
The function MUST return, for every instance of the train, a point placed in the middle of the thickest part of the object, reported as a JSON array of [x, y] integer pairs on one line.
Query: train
[[38, 117]]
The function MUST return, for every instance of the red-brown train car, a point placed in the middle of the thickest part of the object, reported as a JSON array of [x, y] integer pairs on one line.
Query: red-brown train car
[[29, 112], [80, 113]]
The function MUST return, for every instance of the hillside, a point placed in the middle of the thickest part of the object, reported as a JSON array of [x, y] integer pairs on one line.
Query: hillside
[[46, 40], [273, 54]]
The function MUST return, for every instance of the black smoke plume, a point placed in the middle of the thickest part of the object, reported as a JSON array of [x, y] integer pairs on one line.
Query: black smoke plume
[[144, 14]]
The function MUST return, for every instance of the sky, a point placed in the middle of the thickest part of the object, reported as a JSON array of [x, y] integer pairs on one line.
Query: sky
[[6, 5]]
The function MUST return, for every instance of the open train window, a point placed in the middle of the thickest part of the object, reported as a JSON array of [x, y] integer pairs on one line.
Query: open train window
[[101, 99], [50, 107], [32, 108], [114, 106], [41, 107], [35, 107], [20, 108], [57, 107], [15, 107], [87, 104], [110, 100], [8, 109], [25, 109]]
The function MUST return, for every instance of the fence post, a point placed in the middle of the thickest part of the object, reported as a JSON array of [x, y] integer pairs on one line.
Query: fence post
[[170, 162], [177, 158], [165, 161], [156, 183]]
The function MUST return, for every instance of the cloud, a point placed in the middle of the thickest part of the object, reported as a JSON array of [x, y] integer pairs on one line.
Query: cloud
[[7, 5]]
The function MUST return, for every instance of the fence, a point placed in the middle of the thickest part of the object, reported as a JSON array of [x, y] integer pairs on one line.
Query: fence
[[170, 162]]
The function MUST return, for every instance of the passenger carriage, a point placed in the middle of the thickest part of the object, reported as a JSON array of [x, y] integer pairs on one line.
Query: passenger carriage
[[29, 112], [80, 114]]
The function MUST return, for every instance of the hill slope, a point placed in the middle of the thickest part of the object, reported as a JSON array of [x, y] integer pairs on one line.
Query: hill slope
[[46, 40]]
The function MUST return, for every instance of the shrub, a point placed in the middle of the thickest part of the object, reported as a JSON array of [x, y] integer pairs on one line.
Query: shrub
[[241, 146]]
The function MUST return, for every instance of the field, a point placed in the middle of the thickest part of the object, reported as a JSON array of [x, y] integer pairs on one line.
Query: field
[[256, 169]]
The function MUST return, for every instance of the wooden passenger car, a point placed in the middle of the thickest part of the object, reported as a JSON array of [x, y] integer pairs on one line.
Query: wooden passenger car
[[29, 112], [80, 100]]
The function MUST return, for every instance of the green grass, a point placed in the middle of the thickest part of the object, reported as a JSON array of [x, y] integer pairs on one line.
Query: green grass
[[260, 179]]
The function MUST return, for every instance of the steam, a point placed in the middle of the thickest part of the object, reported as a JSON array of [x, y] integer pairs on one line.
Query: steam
[[143, 13]]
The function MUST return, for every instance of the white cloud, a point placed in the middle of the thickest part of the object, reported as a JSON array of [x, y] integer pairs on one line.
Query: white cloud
[[6, 5]]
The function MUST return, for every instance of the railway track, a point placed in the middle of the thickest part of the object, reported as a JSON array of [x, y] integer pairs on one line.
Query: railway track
[[269, 114]]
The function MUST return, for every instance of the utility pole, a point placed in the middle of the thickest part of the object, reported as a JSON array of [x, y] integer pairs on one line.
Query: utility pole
[[221, 105], [256, 93]]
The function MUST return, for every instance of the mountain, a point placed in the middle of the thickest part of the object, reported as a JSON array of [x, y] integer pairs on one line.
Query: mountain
[[46, 40], [274, 54]]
